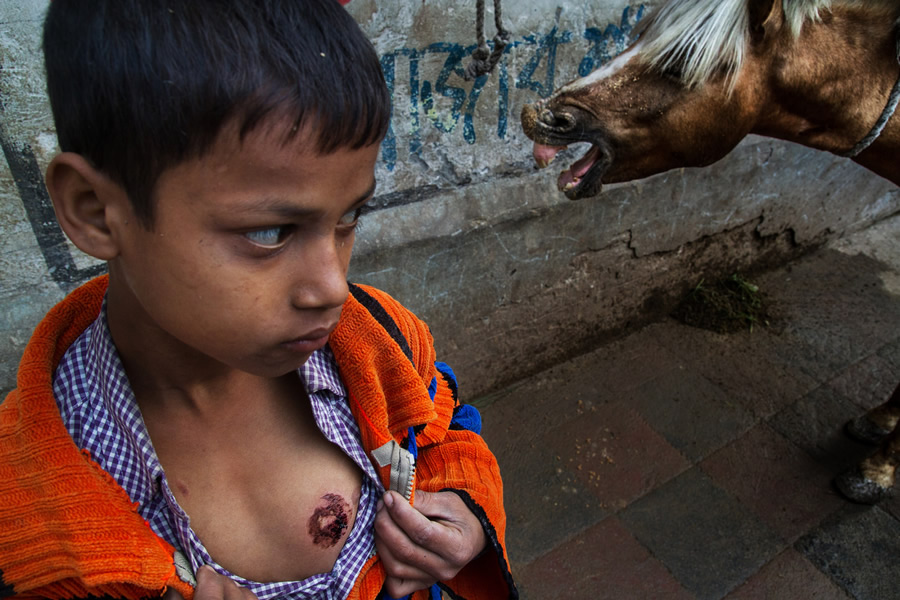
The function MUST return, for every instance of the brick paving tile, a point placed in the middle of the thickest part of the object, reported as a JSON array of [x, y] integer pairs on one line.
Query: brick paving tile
[[741, 365], [692, 345], [810, 358], [783, 486], [604, 562], [891, 353], [816, 424], [545, 504], [694, 415], [521, 414], [818, 335], [576, 474], [852, 285], [867, 383], [631, 361], [564, 392], [615, 454], [709, 542], [789, 576], [762, 386], [858, 548]]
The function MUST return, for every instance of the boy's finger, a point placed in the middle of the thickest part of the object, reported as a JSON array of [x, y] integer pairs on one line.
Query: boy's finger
[[440, 505], [414, 540], [438, 524], [396, 567], [393, 541], [421, 530]]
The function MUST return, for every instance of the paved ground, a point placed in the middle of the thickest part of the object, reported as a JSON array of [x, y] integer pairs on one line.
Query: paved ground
[[679, 463]]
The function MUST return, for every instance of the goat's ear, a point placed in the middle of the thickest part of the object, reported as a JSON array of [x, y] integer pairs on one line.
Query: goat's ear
[[766, 16]]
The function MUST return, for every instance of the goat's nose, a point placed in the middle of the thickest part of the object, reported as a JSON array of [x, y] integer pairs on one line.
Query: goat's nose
[[558, 122], [529, 118]]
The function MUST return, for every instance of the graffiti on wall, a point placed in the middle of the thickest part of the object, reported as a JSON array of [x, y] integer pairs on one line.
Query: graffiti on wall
[[423, 97], [542, 49]]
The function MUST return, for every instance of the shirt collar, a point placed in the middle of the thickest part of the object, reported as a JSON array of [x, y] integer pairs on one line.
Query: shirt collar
[[118, 397], [320, 373]]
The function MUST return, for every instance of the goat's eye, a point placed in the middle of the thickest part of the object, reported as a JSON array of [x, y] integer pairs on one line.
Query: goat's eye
[[672, 70]]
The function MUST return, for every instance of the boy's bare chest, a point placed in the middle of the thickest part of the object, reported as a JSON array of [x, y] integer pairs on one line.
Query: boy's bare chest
[[270, 497]]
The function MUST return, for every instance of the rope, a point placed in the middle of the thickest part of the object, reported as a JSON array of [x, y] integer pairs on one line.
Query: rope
[[886, 115], [483, 58]]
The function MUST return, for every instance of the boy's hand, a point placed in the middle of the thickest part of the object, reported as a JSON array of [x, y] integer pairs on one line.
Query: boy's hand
[[426, 543], [212, 586]]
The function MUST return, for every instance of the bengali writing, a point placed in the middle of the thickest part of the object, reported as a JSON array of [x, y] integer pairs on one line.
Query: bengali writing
[[440, 104]]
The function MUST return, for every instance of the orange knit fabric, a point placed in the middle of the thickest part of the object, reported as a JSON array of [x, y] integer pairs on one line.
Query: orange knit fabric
[[458, 460], [67, 529]]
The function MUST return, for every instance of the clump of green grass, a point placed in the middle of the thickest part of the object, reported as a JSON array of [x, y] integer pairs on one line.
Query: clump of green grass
[[727, 305]]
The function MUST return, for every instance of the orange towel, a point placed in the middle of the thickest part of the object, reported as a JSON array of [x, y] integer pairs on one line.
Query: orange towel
[[68, 530]]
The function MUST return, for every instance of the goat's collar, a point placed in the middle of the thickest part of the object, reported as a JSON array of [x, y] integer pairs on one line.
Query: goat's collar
[[886, 114]]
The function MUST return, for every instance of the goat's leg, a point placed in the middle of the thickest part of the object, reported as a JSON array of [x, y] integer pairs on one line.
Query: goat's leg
[[872, 480], [877, 424]]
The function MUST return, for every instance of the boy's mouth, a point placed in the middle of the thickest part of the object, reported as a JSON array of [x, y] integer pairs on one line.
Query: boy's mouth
[[310, 342]]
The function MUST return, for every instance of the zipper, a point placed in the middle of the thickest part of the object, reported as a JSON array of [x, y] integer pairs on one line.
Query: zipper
[[403, 467]]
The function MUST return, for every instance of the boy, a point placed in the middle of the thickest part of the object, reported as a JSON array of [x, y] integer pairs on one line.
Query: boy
[[224, 399]]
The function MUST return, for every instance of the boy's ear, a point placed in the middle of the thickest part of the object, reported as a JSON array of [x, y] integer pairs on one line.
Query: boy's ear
[[89, 206]]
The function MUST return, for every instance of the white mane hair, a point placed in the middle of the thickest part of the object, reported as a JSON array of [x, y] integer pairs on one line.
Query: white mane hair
[[698, 38]]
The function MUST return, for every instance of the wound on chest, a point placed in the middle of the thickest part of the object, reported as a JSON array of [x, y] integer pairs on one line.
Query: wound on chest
[[329, 521]]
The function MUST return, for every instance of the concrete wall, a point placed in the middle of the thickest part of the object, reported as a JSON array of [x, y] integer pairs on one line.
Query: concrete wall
[[510, 275]]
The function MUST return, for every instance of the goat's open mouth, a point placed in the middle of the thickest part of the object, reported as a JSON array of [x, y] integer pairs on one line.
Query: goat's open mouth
[[583, 178]]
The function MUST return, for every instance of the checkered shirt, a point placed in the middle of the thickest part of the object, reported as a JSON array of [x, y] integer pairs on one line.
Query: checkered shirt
[[99, 410]]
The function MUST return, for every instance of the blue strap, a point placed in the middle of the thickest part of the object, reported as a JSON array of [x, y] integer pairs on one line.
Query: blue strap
[[432, 388], [445, 370], [413, 448], [466, 416]]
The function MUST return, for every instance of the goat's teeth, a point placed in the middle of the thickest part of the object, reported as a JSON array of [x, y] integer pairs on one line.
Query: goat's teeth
[[575, 181]]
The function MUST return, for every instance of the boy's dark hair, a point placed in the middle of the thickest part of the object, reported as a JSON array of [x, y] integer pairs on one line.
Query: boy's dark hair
[[138, 86]]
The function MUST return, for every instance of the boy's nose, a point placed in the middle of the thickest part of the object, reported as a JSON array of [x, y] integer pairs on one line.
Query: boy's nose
[[321, 280]]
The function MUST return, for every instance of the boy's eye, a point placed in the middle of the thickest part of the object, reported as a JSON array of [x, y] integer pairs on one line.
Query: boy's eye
[[351, 218], [270, 237]]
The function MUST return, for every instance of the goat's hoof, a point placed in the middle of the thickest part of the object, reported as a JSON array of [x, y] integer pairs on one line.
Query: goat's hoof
[[854, 486], [864, 430]]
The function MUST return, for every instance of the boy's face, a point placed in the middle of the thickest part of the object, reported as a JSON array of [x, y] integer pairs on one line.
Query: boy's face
[[247, 262]]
